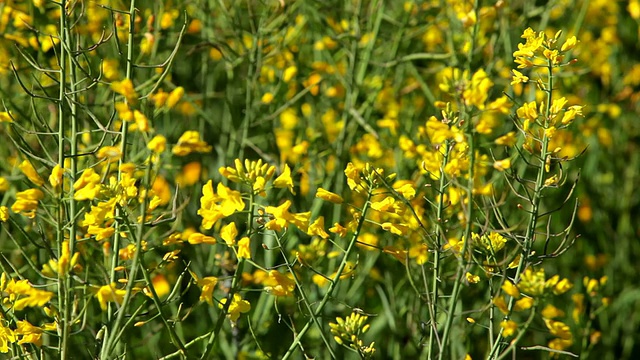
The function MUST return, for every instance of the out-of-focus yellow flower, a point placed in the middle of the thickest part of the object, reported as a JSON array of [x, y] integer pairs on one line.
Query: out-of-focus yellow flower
[[509, 327], [174, 97], [267, 98], [508, 139], [160, 285], [472, 279], [4, 184], [158, 144], [110, 69], [502, 165], [550, 312], [338, 230], [111, 153], [6, 117], [189, 142], [518, 77], [4, 213], [509, 288], [191, 174], [126, 89], [289, 73]]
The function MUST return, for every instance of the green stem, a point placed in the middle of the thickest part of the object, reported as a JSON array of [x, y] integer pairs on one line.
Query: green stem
[[305, 299], [433, 330], [533, 211], [123, 150], [332, 284], [453, 303], [469, 216], [119, 213]]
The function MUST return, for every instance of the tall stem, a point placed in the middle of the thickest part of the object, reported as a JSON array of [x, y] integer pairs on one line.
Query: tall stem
[[332, 284], [533, 212]]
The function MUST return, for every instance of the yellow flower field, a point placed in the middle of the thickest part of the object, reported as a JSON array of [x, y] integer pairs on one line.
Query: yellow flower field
[[281, 179]]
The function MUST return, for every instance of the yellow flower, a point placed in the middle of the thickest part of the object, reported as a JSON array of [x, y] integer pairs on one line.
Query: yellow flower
[[55, 179], [126, 89], [550, 312], [532, 283], [86, 187], [228, 233], [190, 142], [518, 77], [528, 111], [23, 294], [158, 144], [472, 279], [174, 97], [501, 304], [244, 249], [207, 285], [198, 238], [6, 117], [289, 73], [502, 165], [338, 230], [562, 287], [523, 304], [267, 98], [569, 44], [4, 213], [7, 337], [558, 329], [109, 293], [329, 196], [27, 168], [282, 217], [285, 180], [509, 327], [508, 139], [100, 233], [28, 333], [214, 207], [238, 306], [4, 184], [395, 228], [317, 228], [279, 284], [111, 153], [511, 289], [27, 202]]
